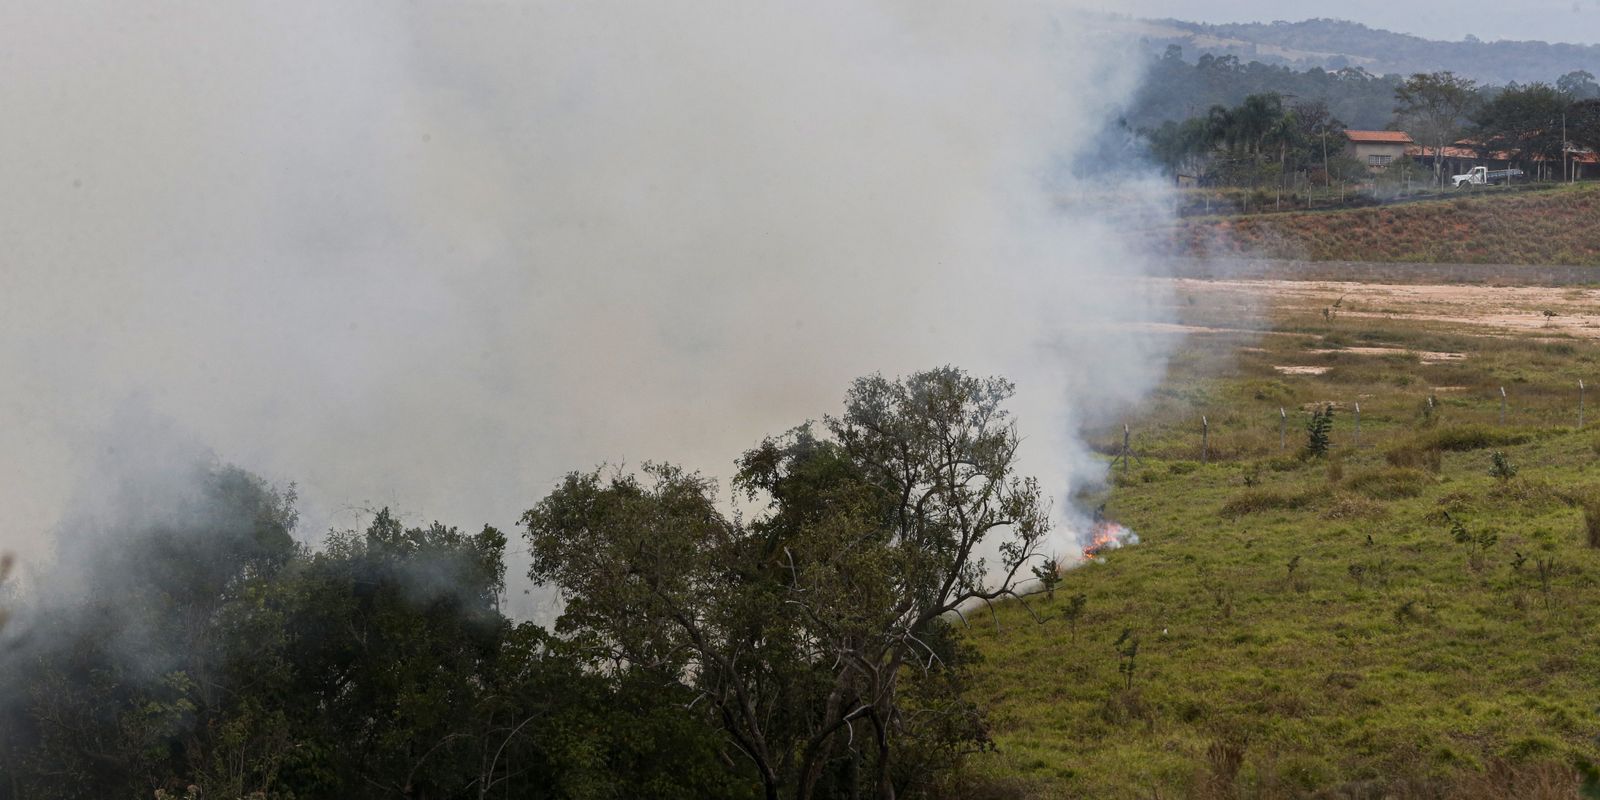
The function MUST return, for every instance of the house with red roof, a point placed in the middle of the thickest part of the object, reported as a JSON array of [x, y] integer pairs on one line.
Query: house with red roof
[[1378, 149], [1459, 158]]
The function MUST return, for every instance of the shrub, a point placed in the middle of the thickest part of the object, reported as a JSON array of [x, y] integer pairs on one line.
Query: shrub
[[1409, 611], [1501, 467], [1591, 518], [1391, 483], [1530, 493], [1270, 391], [1462, 438], [1254, 501], [1352, 506], [1049, 574], [1476, 543], [1127, 647], [1318, 432], [1224, 758], [1073, 612], [1414, 456]]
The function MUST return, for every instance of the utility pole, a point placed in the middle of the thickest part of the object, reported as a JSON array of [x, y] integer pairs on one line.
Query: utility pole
[[1358, 425], [1564, 165], [1327, 177]]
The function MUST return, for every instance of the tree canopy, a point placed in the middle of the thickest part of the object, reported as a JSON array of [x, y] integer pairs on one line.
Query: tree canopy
[[817, 632], [805, 651]]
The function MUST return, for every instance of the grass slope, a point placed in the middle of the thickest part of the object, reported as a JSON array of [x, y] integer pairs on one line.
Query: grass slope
[[1552, 227], [1312, 628]]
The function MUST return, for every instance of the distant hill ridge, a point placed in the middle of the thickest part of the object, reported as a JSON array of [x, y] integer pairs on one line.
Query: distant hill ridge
[[1335, 44]]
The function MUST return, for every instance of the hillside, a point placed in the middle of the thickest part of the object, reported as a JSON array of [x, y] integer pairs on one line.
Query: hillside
[[1494, 227], [1314, 628], [1335, 44]]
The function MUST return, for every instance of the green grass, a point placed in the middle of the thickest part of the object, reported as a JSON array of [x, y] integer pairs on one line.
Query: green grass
[[1551, 227], [1388, 660]]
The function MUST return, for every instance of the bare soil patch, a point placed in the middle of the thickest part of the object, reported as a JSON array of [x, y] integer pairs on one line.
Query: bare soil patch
[[1556, 312]]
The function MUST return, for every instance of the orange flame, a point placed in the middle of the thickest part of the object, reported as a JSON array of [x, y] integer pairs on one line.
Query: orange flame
[[1108, 535]]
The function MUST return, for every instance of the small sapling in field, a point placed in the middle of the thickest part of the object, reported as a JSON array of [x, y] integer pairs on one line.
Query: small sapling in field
[[1501, 467], [1127, 647], [1547, 568], [1319, 430], [1297, 580], [1049, 575], [1073, 612], [1477, 544]]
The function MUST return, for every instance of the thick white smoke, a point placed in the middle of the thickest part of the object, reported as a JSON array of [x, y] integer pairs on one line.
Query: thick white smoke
[[434, 255]]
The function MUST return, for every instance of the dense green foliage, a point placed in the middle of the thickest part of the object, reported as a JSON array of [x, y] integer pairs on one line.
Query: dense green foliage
[[1222, 123], [817, 633], [1176, 89], [215, 658], [805, 652], [1433, 108], [1259, 142]]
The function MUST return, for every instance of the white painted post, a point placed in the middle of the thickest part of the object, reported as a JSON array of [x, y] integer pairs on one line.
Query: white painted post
[[1502, 405], [1358, 426], [1283, 429]]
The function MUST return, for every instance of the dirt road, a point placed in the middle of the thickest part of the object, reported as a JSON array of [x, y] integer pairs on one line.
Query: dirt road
[[1552, 311], [1389, 273]]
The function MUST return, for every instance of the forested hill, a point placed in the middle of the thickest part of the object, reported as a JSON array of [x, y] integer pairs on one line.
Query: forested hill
[[1335, 44], [1176, 89]]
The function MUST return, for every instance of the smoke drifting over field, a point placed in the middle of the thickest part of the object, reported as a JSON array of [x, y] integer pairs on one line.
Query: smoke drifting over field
[[434, 255]]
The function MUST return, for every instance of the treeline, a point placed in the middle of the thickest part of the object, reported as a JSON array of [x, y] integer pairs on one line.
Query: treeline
[[215, 658], [1175, 89], [1260, 142], [804, 653], [1338, 43], [1265, 142]]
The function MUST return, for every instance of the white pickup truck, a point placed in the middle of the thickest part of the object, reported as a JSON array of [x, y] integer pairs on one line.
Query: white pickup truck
[[1483, 175]]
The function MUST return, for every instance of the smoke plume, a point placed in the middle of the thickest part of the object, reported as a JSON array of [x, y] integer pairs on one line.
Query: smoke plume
[[433, 255]]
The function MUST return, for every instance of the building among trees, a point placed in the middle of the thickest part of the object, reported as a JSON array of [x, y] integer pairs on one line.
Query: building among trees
[[1378, 149]]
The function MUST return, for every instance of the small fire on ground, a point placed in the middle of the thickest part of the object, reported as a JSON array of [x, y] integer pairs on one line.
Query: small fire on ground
[[1108, 535]]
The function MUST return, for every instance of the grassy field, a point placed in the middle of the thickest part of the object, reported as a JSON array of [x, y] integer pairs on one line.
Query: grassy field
[[1547, 227], [1386, 621]]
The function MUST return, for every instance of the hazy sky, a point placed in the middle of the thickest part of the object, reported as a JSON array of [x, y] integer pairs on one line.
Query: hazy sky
[[1551, 20]]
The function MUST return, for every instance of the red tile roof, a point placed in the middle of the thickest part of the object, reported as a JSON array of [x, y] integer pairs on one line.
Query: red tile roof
[[1379, 137], [1450, 152], [1577, 156]]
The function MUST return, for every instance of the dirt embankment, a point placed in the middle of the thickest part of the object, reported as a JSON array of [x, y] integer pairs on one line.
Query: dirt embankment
[[1559, 227]]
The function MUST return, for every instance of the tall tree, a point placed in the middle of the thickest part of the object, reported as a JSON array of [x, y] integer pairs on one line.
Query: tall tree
[[807, 632], [1579, 85], [1434, 107], [1583, 124], [1526, 122]]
